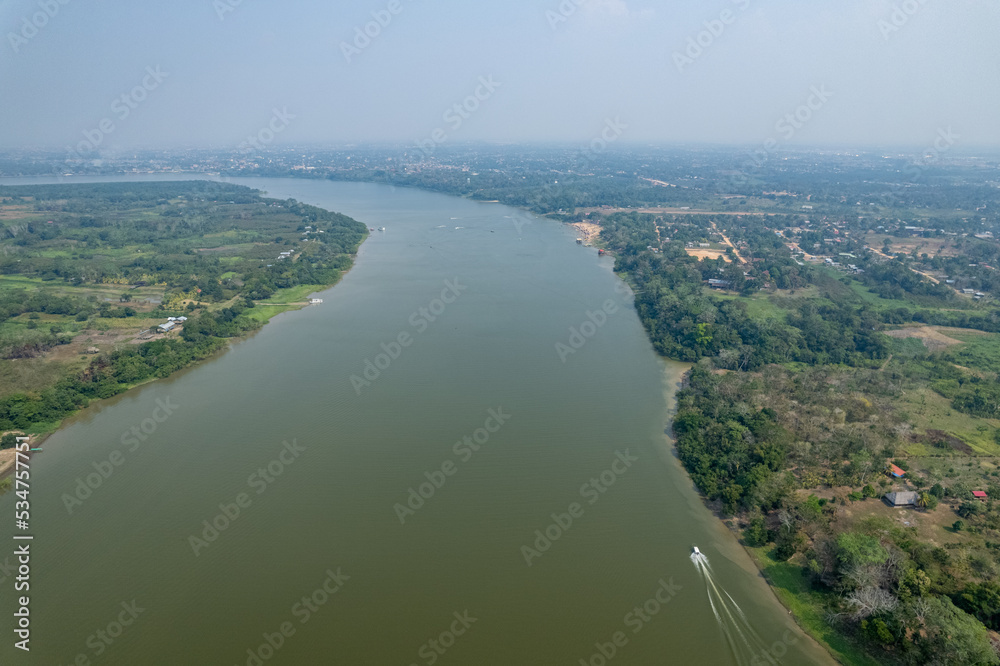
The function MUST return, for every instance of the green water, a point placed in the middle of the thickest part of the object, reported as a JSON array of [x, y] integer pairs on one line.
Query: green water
[[331, 505]]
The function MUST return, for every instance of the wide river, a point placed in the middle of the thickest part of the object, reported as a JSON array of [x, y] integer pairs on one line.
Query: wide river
[[479, 497]]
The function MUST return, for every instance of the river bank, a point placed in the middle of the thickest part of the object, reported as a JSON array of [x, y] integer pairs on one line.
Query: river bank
[[522, 291], [73, 342]]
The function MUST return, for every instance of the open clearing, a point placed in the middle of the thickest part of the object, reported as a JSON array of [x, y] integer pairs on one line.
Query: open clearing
[[932, 247], [932, 338], [588, 231], [708, 254]]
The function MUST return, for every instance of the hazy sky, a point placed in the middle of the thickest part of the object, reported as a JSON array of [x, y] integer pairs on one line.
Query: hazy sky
[[226, 65]]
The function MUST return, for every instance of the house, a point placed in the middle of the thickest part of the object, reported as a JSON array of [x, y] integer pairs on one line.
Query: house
[[718, 284], [902, 498], [979, 495], [896, 472], [165, 328], [182, 319]]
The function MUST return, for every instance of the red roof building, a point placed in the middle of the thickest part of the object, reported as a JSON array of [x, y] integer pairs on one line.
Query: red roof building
[[979, 494], [896, 472]]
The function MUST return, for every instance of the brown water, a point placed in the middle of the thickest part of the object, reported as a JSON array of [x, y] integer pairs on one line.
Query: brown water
[[332, 500]]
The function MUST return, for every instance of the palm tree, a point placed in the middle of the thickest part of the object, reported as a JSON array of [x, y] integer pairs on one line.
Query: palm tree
[[924, 500]]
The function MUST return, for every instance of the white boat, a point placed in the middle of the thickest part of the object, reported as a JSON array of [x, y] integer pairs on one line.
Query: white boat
[[696, 551], [381, 228]]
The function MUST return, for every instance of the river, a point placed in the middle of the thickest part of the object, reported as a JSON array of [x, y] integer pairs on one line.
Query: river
[[549, 521]]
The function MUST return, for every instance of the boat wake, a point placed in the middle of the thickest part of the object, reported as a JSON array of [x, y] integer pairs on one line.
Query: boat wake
[[747, 647]]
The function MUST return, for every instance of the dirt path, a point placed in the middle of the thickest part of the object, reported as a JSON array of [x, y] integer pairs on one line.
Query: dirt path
[[730, 244], [932, 279]]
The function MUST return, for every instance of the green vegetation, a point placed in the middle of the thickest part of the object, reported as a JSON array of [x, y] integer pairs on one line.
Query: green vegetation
[[87, 273], [797, 403]]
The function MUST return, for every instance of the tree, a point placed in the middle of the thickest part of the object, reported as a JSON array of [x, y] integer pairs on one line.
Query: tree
[[878, 630], [8, 441], [854, 548], [871, 601], [969, 508], [756, 534], [983, 601], [949, 636]]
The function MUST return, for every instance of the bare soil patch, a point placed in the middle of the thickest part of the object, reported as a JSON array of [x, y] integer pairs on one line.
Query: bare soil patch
[[708, 254], [942, 439], [932, 338], [588, 231]]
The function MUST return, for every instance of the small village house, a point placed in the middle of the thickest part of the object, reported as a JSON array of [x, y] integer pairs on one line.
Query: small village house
[[902, 498]]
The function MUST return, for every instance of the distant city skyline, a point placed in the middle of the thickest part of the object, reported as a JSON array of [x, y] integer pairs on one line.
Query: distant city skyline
[[229, 73]]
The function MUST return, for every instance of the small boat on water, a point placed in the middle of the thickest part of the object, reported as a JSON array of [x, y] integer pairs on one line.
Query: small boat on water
[[381, 228], [579, 241], [696, 551]]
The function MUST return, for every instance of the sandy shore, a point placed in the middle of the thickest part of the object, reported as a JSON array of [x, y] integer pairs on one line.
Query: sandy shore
[[7, 457], [588, 231]]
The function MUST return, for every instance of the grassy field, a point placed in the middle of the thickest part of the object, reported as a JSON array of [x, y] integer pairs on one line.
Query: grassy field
[[928, 410], [807, 606], [284, 300], [103, 292]]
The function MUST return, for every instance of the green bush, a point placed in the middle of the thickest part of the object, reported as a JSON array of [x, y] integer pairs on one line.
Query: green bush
[[756, 533]]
